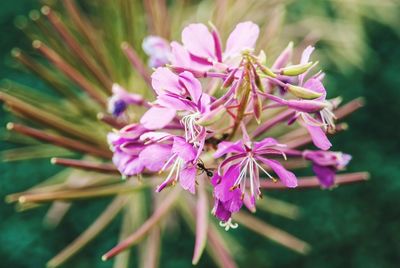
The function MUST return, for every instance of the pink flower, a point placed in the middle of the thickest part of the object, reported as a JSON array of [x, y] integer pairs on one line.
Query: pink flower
[[202, 49], [326, 164], [243, 165], [158, 50], [175, 93], [120, 100]]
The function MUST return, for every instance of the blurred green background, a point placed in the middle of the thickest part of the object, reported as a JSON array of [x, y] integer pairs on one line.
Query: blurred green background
[[351, 226]]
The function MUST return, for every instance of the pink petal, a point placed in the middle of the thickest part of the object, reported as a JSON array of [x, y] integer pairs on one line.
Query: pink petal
[[227, 147], [199, 41], [318, 137], [192, 85], [163, 79], [154, 156], [267, 142], [305, 57], [184, 150], [287, 177], [157, 117], [223, 190], [244, 36], [187, 179]]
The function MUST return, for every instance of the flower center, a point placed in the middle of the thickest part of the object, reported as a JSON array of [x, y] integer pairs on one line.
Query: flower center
[[192, 129]]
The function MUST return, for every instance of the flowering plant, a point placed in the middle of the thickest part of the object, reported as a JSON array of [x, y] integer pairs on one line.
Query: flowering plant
[[224, 122]]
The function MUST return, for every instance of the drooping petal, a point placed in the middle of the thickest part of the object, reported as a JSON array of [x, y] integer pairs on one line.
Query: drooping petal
[[198, 40], [287, 177], [154, 156], [163, 79], [187, 179], [319, 137], [157, 117], [226, 147], [219, 210], [244, 36], [325, 175]]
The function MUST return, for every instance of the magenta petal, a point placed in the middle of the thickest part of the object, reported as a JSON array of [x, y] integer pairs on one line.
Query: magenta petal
[[319, 137], [154, 156], [187, 179], [157, 117], [227, 147], [244, 36], [183, 149], [267, 142], [192, 85], [223, 190], [325, 175], [287, 177], [220, 211], [163, 79], [199, 41]]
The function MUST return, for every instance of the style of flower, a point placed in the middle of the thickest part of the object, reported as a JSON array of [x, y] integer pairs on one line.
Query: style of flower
[[158, 50], [243, 162], [326, 164]]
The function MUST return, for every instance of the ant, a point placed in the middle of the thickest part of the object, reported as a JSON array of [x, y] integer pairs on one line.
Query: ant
[[201, 167]]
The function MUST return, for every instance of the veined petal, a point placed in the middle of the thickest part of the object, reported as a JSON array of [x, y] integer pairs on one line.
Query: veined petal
[[244, 36], [226, 147], [192, 85], [163, 79], [157, 117], [267, 142], [154, 156], [187, 179], [223, 191], [198, 40], [183, 149]]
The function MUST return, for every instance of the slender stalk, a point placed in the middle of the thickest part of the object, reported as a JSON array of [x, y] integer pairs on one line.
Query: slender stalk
[[71, 72], [80, 193], [59, 140], [90, 233], [313, 182], [76, 48], [273, 233], [134, 238], [136, 62], [285, 115], [111, 121], [85, 165], [349, 108]]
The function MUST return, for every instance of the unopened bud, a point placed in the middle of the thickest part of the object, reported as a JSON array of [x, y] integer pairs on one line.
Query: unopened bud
[[267, 71], [303, 93], [297, 69]]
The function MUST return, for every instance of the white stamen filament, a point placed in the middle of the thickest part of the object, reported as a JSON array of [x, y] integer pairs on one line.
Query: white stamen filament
[[228, 224], [192, 130]]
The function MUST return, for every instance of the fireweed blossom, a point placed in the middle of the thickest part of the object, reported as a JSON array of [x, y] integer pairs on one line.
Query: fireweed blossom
[[206, 99], [215, 128], [326, 164]]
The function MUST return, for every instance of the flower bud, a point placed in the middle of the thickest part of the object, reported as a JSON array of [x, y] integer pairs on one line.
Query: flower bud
[[297, 69], [303, 93], [267, 71]]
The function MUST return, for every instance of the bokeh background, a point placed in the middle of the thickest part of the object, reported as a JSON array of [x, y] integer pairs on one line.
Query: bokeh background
[[351, 226]]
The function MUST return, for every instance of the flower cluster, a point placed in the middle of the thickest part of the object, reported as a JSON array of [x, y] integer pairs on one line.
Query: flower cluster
[[212, 112]]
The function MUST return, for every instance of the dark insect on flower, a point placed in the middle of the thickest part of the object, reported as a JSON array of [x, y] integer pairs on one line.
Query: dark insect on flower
[[201, 166]]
